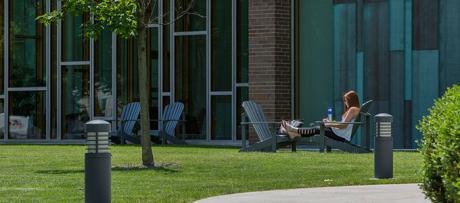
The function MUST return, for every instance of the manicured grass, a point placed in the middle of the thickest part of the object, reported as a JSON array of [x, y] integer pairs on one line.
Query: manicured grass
[[55, 173]]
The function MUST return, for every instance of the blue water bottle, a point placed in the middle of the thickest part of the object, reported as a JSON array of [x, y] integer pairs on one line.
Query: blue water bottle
[[329, 113]]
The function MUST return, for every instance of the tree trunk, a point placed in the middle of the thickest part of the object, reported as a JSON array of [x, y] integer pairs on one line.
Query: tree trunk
[[147, 155]]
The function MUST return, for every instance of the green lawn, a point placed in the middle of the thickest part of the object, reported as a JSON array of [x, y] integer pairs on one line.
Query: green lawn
[[55, 173]]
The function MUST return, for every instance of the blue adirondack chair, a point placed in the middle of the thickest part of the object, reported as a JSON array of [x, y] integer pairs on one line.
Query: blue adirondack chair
[[129, 117], [171, 117]]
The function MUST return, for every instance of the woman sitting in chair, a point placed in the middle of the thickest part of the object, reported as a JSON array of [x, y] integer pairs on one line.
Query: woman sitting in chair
[[337, 131]]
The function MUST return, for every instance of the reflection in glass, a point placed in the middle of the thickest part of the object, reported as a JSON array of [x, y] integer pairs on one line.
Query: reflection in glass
[[2, 117], [26, 115], [166, 50], [75, 47], [152, 62], [27, 44], [242, 94], [127, 75], [190, 72], [1, 50], [194, 19], [221, 42], [75, 101], [103, 75], [221, 118], [242, 42], [53, 107]]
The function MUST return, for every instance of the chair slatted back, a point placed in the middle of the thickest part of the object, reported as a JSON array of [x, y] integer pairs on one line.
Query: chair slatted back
[[364, 109], [173, 112], [256, 114], [129, 115]]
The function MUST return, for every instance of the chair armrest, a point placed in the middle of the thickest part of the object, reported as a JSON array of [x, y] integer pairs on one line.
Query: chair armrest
[[168, 120], [154, 132], [337, 122], [174, 120], [268, 122]]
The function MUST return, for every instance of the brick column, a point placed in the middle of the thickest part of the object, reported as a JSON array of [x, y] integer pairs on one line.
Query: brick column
[[270, 57]]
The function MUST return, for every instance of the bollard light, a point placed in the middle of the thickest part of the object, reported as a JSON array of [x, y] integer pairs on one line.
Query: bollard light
[[98, 162], [97, 137], [383, 151]]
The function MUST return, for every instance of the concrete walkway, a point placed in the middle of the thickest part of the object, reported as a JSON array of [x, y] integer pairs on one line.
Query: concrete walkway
[[353, 194]]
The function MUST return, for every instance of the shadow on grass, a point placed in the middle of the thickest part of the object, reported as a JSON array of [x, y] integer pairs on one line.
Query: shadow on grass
[[163, 167]]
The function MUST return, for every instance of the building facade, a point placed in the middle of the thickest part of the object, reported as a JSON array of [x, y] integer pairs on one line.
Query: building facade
[[295, 57]]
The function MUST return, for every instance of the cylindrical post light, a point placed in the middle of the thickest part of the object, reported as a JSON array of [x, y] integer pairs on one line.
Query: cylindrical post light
[[383, 152], [98, 162]]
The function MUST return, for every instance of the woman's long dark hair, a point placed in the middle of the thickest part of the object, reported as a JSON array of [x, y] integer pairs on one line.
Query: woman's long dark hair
[[350, 99]]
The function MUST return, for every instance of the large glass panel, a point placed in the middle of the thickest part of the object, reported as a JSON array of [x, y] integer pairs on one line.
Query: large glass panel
[[166, 50], [75, 47], [190, 73], [152, 62], [53, 81], [154, 5], [2, 117], [190, 15], [127, 75], [26, 115], [242, 94], [103, 75], [1, 48], [75, 101], [315, 57], [221, 42], [27, 43], [221, 117], [242, 42]]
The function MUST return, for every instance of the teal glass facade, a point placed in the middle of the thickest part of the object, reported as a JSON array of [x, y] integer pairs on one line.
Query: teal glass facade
[[400, 53]]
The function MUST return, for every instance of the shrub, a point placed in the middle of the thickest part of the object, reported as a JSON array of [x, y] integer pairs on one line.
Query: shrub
[[440, 148]]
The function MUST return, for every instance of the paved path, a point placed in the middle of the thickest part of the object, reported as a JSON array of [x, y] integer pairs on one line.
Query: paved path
[[353, 194]]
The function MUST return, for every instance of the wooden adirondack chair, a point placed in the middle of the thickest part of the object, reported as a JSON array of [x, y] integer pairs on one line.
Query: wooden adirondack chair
[[129, 117], [268, 140], [171, 116], [327, 143]]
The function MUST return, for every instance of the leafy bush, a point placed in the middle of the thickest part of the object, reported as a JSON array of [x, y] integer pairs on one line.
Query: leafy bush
[[441, 148]]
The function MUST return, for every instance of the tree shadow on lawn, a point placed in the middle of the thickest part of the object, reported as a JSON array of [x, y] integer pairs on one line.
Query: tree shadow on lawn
[[162, 167]]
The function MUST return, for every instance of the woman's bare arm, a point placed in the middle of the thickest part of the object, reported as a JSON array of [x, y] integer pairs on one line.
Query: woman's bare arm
[[349, 115]]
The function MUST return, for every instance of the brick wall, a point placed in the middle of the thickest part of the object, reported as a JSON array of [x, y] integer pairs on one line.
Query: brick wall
[[270, 57]]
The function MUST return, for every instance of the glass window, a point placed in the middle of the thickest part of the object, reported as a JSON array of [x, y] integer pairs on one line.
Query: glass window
[[26, 115], [190, 81], [242, 42], [221, 114], [127, 72], [166, 50], [152, 63], [1, 49], [53, 77], [75, 101], [27, 44], [103, 75], [2, 118], [242, 94], [221, 42], [75, 47], [190, 15], [127, 75]]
